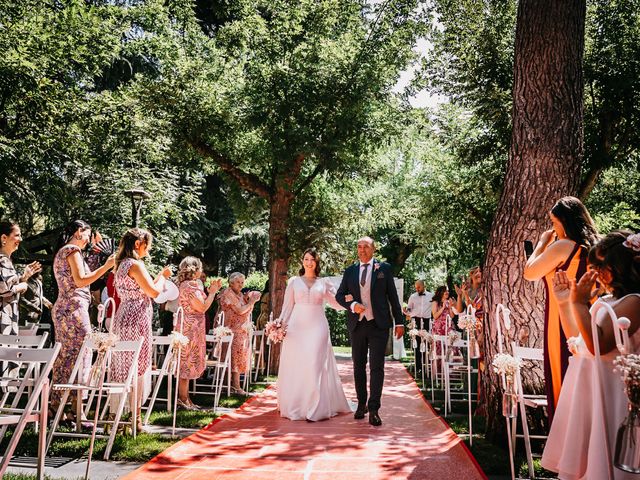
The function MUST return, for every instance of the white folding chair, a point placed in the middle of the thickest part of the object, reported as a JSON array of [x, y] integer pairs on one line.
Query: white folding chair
[[120, 392], [464, 370], [527, 400], [158, 374], [18, 341], [503, 317], [36, 360], [219, 368], [28, 330], [621, 334], [257, 353]]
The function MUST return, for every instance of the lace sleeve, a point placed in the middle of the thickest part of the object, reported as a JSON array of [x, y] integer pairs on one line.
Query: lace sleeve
[[330, 295], [288, 303]]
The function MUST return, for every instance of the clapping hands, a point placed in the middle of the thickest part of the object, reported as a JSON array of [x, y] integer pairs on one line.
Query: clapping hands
[[567, 289], [30, 270]]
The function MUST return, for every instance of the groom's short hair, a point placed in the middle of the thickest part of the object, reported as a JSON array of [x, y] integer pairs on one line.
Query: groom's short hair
[[368, 240]]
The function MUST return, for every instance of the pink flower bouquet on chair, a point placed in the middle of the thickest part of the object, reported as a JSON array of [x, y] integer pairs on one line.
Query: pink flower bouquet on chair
[[275, 331]]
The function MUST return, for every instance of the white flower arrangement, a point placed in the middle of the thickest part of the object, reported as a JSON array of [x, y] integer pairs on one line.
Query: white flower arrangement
[[103, 341], [453, 337], [469, 323], [425, 336], [414, 332], [505, 364], [629, 368], [178, 340], [573, 344], [249, 327], [221, 331]]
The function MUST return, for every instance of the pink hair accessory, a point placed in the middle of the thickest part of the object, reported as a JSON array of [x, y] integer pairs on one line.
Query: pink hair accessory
[[633, 242]]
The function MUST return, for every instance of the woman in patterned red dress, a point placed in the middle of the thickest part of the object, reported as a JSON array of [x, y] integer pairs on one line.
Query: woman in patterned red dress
[[194, 303], [133, 318], [237, 308], [70, 313]]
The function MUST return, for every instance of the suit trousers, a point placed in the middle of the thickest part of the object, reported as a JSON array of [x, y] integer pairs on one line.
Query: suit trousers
[[368, 338]]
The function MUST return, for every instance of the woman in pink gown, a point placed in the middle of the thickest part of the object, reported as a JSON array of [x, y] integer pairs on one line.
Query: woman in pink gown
[[584, 427]]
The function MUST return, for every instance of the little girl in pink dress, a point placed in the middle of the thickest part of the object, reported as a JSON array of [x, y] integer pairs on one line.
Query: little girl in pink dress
[[584, 426]]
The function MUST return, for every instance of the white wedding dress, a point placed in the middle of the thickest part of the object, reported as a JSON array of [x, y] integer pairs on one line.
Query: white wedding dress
[[309, 386]]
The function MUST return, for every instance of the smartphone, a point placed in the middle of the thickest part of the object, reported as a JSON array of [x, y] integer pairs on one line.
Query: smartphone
[[528, 249]]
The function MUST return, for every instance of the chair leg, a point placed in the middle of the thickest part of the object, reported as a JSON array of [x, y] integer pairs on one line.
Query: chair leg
[[152, 402], [114, 428], [42, 434], [56, 419]]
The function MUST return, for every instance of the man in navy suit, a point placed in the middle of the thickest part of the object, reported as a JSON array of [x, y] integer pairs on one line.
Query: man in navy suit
[[369, 294]]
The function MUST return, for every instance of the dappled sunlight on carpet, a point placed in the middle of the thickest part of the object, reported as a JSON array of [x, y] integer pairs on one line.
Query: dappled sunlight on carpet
[[254, 442]]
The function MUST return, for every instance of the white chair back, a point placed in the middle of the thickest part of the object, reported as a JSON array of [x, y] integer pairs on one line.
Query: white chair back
[[41, 361]]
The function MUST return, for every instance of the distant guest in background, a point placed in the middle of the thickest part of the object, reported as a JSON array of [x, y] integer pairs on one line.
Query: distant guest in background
[[442, 306], [419, 310], [12, 284], [194, 303], [237, 308], [70, 313], [33, 302], [563, 247]]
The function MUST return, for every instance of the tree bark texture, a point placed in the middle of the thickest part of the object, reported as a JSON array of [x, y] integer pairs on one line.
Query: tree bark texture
[[543, 166]]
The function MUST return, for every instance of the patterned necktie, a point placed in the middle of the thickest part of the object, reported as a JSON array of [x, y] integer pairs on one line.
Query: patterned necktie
[[363, 277]]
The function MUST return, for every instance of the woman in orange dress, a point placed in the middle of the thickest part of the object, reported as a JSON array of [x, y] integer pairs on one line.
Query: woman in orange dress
[[563, 247], [194, 303]]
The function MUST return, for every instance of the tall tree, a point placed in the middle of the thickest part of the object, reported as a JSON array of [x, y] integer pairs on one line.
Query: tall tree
[[544, 165], [283, 92]]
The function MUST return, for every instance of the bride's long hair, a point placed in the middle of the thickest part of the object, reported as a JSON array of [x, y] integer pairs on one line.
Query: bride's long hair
[[316, 257]]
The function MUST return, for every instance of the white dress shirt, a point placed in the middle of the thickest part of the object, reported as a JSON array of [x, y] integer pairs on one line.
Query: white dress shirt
[[420, 305]]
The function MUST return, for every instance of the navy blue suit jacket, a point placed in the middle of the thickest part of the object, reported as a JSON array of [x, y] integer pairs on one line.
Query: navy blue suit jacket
[[384, 296]]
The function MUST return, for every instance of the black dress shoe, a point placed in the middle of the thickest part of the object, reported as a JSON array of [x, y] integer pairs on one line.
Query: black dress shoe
[[360, 413], [374, 419]]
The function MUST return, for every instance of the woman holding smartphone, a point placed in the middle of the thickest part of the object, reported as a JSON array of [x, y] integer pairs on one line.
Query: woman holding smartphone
[[563, 247]]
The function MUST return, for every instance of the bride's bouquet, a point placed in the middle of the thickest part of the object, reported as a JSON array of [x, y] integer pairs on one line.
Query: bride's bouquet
[[275, 331]]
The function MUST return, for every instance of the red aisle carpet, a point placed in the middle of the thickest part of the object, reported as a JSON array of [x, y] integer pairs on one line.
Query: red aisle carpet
[[255, 443]]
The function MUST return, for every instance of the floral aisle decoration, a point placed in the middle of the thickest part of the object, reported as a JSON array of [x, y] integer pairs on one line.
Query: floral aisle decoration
[[426, 345], [178, 341], [508, 366], [218, 334], [413, 334], [103, 342], [452, 337], [275, 331], [471, 324], [627, 449]]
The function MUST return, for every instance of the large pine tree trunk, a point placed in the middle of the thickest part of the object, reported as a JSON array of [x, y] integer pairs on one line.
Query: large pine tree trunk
[[544, 165]]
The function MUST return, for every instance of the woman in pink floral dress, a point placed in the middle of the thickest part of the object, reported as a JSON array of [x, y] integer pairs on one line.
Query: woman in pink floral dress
[[70, 313], [237, 308], [194, 303], [441, 307], [133, 318]]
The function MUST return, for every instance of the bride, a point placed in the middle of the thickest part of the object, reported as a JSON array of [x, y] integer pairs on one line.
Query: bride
[[308, 382]]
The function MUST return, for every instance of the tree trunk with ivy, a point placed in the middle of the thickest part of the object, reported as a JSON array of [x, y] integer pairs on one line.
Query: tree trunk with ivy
[[544, 165]]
